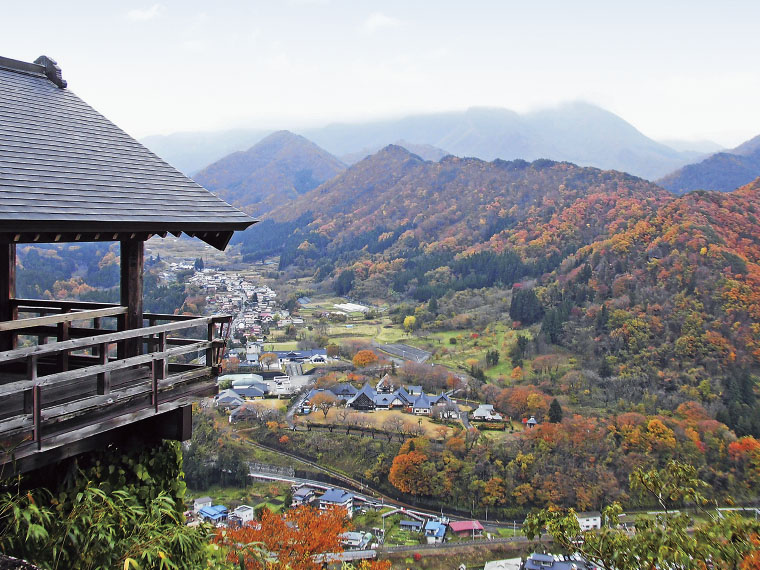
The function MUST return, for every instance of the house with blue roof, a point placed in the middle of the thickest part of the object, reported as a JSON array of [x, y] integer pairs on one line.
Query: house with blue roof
[[405, 397], [337, 498], [344, 391], [435, 532], [387, 401], [214, 514], [364, 399], [250, 393], [228, 400], [422, 406], [444, 406]]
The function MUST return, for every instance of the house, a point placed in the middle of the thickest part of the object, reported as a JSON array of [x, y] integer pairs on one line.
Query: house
[[422, 406], [250, 392], [243, 413], [214, 514], [506, 564], [69, 175], [411, 526], [242, 514], [202, 502], [344, 391], [356, 540], [531, 423], [303, 496], [363, 400], [228, 400], [414, 391], [472, 529], [445, 407], [589, 520], [406, 398], [387, 401], [538, 561], [385, 385], [337, 498], [485, 412], [435, 532]]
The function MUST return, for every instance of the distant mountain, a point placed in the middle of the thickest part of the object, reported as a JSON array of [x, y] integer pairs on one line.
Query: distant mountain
[[424, 151], [577, 132], [275, 170], [723, 171], [190, 152]]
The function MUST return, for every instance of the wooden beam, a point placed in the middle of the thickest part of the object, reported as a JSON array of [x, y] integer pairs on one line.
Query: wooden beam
[[7, 292], [61, 318], [132, 260], [110, 337]]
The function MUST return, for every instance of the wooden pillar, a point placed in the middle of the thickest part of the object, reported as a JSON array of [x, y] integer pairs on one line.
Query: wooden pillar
[[132, 257], [7, 292]]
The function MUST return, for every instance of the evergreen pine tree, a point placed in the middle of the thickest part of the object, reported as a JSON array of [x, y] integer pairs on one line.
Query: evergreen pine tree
[[555, 412]]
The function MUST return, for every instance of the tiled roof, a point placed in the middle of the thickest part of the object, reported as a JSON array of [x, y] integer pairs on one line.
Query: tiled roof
[[64, 167], [461, 526], [337, 496]]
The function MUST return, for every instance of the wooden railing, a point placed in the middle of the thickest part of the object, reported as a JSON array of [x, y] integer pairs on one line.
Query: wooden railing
[[53, 388]]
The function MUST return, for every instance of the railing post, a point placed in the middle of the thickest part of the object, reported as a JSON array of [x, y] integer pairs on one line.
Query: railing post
[[210, 350], [158, 371], [63, 334], [96, 326], [37, 415], [104, 378]]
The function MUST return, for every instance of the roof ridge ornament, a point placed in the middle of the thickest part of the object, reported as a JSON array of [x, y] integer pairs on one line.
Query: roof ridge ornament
[[52, 71]]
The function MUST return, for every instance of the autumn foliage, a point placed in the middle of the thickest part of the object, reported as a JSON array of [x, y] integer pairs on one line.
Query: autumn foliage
[[364, 358], [290, 540]]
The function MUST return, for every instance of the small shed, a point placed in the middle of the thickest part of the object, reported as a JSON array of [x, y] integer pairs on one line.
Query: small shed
[[411, 526]]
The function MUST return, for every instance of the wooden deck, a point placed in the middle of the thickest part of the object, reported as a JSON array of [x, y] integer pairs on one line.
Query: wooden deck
[[73, 380]]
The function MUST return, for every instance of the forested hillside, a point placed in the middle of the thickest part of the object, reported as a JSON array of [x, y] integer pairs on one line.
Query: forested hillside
[[278, 168], [658, 295], [724, 171]]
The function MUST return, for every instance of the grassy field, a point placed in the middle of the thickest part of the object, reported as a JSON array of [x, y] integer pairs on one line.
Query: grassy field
[[377, 418], [273, 495]]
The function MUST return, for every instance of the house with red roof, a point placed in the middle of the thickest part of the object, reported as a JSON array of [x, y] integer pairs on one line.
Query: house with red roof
[[471, 529]]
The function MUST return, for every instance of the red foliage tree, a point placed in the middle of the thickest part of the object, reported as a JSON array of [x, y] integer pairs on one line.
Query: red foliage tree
[[290, 540]]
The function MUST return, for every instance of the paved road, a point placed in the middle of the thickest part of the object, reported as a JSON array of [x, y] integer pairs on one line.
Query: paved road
[[292, 410], [406, 352]]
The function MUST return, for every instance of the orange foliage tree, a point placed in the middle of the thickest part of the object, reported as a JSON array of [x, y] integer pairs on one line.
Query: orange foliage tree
[[294, 539], [364, 358], [406, 472]]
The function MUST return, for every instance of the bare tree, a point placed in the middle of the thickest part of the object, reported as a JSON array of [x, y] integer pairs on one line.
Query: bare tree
[[393, 425], [324, 401]]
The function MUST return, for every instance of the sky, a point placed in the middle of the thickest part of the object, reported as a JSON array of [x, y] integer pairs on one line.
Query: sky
[[674, 69]]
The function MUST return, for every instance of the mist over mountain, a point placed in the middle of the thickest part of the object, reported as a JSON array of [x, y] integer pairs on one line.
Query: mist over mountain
[[192, 151], [275, 170], [723, 171], [701, 147], [577, 132]]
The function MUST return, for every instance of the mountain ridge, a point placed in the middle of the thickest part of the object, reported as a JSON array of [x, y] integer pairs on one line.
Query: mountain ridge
[[577, 132], [722, 171], [276, 169]]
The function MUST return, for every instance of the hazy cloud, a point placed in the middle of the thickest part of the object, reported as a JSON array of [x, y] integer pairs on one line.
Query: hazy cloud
[[143, 15], [378, 21]]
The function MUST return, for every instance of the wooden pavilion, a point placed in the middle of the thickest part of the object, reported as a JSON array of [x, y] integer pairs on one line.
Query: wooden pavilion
[[75, 376]]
